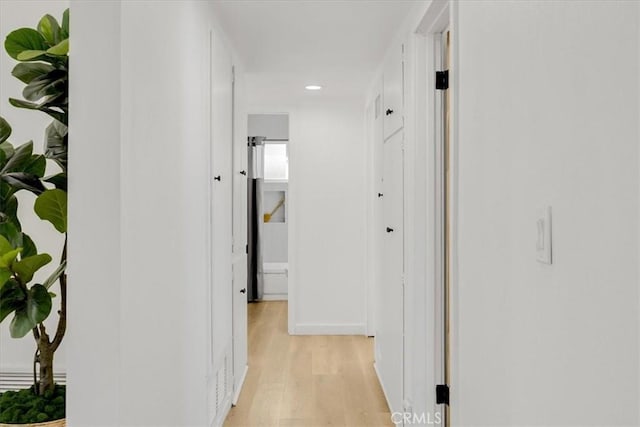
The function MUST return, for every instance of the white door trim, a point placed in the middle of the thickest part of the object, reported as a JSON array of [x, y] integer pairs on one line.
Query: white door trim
[[439, 17]]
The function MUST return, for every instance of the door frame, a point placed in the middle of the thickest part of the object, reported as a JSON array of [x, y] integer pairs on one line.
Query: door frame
[[375, 142], [439, 17]]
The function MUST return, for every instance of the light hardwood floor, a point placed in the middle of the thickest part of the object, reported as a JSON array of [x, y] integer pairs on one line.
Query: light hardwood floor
[[306, 381]]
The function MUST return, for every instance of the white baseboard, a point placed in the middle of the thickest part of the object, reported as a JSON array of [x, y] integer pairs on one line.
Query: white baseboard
[[275, 297], [330, 329], [386, 398], [18, 380], [222, 415], [236, 394]]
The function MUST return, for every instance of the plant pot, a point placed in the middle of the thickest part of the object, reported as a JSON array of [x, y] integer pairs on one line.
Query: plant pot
[[58, 423]]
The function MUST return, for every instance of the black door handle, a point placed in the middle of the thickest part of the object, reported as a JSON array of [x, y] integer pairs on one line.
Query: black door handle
[[243, 290], [389, 230], [243, 173], [388, 112], [218, 178], [380, 194]]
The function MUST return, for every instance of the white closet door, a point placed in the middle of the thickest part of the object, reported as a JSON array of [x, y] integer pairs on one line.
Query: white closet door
[[390, 334], [393, 82], [221, 386], [240, 159]]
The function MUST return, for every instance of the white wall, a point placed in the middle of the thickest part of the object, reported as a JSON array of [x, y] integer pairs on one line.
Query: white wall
[[17, 355], [548, 115], [139, 214], [272, 126], [95, 216], [327, 190]]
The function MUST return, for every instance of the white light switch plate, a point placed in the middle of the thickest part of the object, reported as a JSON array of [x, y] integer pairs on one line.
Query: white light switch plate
[[543, 242]]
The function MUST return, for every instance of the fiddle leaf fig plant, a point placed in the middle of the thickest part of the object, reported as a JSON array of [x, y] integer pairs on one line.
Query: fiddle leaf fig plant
[[29, 303], [42, 54]]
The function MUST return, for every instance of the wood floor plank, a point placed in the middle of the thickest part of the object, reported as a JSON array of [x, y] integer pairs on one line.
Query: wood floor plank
[[306, 381]]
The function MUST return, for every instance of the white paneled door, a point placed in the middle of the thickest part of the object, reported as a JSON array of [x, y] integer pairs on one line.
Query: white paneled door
[[390, 328], [240, 168], [239, 324], [393, 92], [220, 381]]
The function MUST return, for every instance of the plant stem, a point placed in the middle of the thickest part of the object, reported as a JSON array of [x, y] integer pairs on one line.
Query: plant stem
[[62, 320], [45, 358], [47, 348], [36, 360]]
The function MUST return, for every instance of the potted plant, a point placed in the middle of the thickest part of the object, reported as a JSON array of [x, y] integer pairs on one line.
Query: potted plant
[[43, 63]]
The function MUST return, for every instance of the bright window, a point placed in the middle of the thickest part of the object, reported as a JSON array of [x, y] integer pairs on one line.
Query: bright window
[[276, 162]]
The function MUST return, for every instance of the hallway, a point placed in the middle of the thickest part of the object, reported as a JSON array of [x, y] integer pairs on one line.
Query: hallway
[[306, 381]]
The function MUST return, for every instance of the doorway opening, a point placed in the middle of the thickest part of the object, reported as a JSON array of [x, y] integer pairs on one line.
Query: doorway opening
[[268, 188]]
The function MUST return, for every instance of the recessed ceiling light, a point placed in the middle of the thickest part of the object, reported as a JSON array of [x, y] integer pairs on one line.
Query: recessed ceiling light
[[313, 87]]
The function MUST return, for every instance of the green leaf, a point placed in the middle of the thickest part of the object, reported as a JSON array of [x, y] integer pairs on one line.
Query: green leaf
[[38, 303], [24, 104], [12, 297], [59, 101], [21, 324], [28, 247], [50, 29], [31, 55], [7, 259], [37, 165], [12, 233], [58, 115], [5, 275], [19, 159], [27, 71], [56, 143], [9, 207], [5, 130], [5, 246], [24, 181], [65, 24], [22, 40], [7, 149], [55, 275], [52, 206], [61, 49], [51, 84], [27, 267], [59, 180]]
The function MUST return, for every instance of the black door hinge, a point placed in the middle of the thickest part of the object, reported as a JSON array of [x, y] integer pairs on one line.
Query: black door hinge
[[442, 394], [246, 249], [442, 80]]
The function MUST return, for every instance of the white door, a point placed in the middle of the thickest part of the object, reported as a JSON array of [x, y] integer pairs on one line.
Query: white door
[[221, 211], [393, 82], [239, 324], [240, 160], [390, 328]]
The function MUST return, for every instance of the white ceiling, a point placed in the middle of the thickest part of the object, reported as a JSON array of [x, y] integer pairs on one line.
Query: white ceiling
[[336, 43]]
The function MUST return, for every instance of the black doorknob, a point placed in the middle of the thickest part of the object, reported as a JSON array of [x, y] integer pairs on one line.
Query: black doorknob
[[388, 112], [389, 230], [218, 178], [243, 290], [380, 194], [243, 173]]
